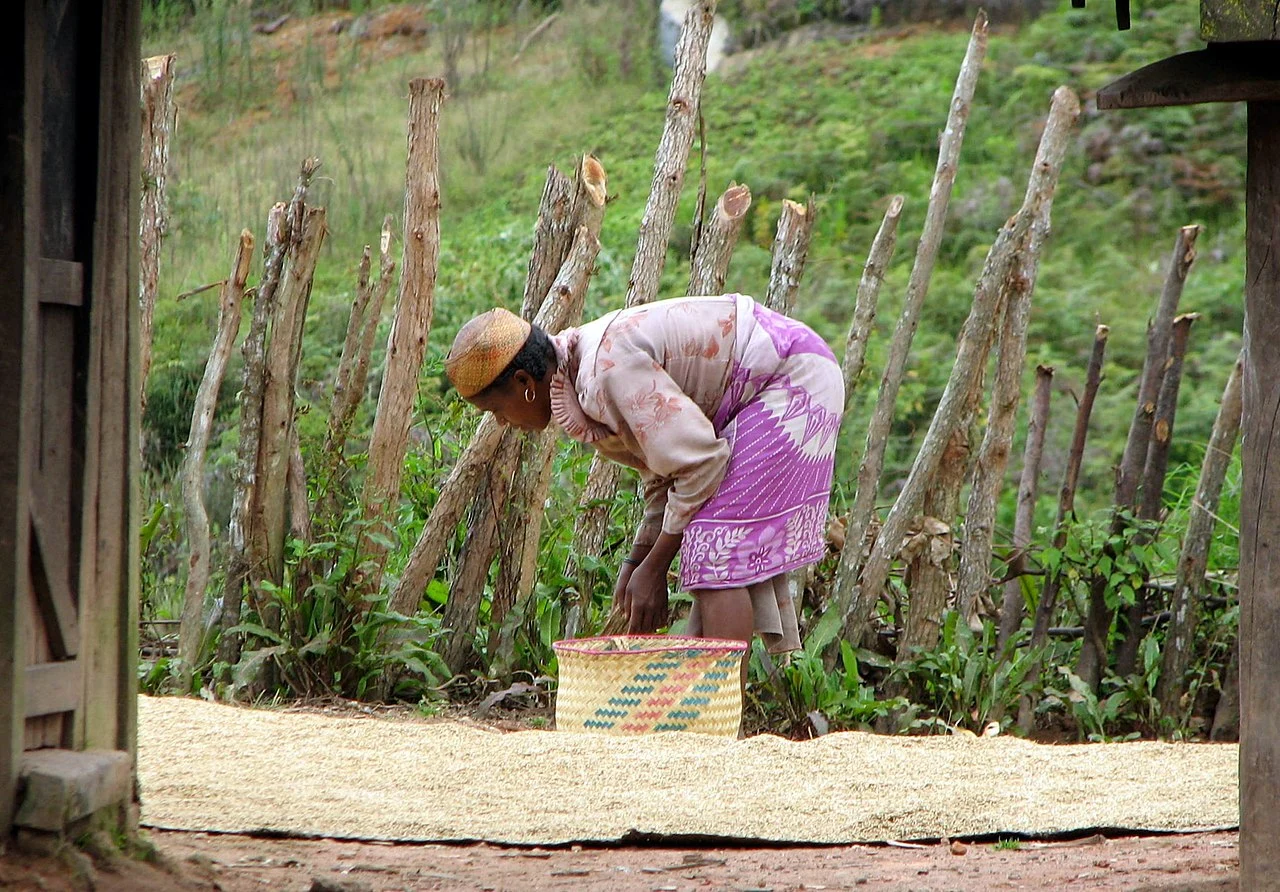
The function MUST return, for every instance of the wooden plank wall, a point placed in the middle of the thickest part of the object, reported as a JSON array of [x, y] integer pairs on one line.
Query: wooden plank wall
[[19, 47], [109, 568]]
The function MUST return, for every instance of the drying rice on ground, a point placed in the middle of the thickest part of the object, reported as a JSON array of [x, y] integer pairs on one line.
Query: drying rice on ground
[[205, 766]]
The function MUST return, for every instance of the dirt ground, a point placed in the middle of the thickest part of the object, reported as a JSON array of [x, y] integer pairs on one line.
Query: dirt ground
[[207, 862]]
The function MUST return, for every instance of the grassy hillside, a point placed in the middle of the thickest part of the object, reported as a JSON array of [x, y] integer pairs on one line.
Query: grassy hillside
[[851, 121]]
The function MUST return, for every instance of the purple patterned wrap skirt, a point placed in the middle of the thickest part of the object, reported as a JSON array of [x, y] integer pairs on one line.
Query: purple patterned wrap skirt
[[780, 413]]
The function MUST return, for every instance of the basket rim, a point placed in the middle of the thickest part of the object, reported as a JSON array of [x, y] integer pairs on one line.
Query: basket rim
[[678, 642]]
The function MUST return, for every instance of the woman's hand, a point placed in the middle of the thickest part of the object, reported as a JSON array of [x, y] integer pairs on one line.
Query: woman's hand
[[621, 607], [645, 598]]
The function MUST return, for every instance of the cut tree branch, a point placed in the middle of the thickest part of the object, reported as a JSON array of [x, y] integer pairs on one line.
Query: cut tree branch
[[456, 491], [790, 251], [191, 631], [864, 311], [872, 465], [1194, 559], [710, 263], [1066, 511], [993, 456], [1024, 516], [971, 355], [407, 341], [1129, 474]]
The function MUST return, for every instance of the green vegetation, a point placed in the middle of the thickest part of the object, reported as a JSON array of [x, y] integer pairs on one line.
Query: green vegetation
[[850, 122]]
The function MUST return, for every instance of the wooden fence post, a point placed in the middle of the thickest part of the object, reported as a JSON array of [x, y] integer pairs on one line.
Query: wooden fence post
[[191, 631], [1011, 608], [864, 311], [863, 511], [407, 342], [1097, 622], [159, 119], [971, 356], [683, 103], [1066, 512], [1006, 391], [710, 263], [1194, 558], [790, 251]]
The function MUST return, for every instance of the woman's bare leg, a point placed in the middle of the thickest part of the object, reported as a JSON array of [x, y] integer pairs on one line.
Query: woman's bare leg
[[727, 613]]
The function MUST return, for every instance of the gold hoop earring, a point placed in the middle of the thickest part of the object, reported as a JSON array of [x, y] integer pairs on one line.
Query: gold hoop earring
[[530, 395]]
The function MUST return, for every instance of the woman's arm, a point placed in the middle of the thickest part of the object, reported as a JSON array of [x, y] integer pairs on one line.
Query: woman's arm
[[645, 587]]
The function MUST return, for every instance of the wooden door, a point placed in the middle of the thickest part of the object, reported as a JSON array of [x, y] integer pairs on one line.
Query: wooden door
[[55, 424]]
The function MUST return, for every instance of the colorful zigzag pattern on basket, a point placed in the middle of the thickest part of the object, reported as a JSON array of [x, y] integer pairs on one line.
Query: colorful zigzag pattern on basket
[[636, 685]]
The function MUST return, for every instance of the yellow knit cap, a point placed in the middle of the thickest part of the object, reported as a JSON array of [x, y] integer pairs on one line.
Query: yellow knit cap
[[483, 348]]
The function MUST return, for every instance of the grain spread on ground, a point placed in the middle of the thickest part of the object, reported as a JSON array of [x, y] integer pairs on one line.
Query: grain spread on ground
[[205, 766]]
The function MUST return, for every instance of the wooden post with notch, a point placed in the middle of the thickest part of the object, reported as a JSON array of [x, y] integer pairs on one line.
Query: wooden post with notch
[[1239, 66]]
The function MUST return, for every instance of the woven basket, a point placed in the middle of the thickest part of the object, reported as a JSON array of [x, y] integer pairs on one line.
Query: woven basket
[[638, 684]]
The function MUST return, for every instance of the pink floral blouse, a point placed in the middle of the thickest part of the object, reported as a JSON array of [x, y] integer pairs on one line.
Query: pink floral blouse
[[642, 385]]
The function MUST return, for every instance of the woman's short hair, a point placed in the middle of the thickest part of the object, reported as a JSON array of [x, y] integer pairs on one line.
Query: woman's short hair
[[536, 357]]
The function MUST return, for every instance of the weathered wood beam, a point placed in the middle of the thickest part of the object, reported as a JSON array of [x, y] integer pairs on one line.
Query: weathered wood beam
[[53, 687], [1236, 73], [1233, 20], [1260, 511], [20, 45]]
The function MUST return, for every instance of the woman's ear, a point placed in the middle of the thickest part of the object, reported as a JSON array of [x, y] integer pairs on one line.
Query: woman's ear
[[522, 381]]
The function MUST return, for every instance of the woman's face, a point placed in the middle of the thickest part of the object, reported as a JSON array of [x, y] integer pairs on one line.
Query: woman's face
[[510, 403]]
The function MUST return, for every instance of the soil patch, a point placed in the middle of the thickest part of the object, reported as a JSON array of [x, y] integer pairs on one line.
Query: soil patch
[[205, 862]]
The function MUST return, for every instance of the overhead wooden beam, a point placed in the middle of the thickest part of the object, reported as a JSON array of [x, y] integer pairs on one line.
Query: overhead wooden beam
[[1223, 20], [1243, 72]]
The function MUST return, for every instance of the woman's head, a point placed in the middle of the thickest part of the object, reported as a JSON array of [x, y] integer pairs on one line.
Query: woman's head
[[502, 364]]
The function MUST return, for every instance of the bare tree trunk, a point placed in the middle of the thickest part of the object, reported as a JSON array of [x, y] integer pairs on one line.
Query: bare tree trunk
[[159, 118], [971, 356], [928, 574], [455, 495], [1153, 483], [552, 235], [269, 510], [408, 339], [1066, 509], [481, 543], [790, 251], [844, 591], [239, 564], [191, 630], [457, 490], [1180, 637], [492, 522], [357, 347], [864, 312], [1024, 518], [710, 264], [683, 104], [518, 558], [1097, 623], [1006, 392]]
